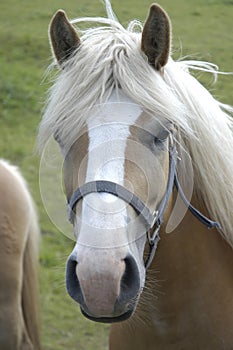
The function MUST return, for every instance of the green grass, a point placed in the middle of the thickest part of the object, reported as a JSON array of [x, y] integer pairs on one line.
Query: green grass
[[201, 28]]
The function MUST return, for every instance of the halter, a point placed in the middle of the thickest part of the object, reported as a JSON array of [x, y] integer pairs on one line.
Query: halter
[[153, 220]]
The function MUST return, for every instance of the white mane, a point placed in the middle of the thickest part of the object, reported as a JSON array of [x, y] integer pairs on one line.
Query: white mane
[[109, 57]]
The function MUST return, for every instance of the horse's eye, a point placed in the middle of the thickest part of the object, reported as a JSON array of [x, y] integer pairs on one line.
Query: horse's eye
[[161, 137]]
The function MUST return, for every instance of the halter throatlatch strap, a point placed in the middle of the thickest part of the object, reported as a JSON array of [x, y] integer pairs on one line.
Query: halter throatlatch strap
[[207, 222], [153, 220]]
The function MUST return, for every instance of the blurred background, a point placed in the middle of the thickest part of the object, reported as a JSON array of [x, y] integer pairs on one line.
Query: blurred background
[[201, 29]]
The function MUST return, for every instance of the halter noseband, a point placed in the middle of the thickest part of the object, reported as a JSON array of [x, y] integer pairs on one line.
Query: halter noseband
[[153, 220]]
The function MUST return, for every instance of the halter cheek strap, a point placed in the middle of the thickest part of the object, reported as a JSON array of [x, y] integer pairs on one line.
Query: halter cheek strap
[[153, 220]]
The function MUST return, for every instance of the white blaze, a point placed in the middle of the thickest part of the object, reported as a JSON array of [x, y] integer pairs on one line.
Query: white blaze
[[108, 131]]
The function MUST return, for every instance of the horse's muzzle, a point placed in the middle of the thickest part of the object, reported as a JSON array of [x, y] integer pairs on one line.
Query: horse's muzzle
[[107, 291]]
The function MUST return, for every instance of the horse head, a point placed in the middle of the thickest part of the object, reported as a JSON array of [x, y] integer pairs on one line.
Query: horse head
[[123, 145]]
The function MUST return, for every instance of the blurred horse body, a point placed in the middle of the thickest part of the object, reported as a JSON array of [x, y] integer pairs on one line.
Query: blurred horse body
[[19, 238]]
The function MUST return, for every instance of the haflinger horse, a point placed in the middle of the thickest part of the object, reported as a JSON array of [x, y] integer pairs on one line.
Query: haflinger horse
[[135, 127], [19, 237]]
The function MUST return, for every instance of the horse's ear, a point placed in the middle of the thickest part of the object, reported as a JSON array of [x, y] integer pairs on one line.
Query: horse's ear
[[156, 37], [63, 37]]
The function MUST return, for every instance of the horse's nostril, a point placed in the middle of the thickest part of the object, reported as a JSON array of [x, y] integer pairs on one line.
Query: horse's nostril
[[72, 282], [130, 282]]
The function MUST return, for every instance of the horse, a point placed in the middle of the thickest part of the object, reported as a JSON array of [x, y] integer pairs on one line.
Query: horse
[[141, 138], [19, 237]]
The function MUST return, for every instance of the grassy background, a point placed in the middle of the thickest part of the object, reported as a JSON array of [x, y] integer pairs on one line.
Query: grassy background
[[200, 28]]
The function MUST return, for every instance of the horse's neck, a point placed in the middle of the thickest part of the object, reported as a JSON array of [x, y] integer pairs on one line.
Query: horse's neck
[[188, 298], [194, 271]]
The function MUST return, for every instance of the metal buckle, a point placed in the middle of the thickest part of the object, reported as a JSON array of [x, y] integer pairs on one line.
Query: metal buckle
[[151, 238], [155, 214]]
